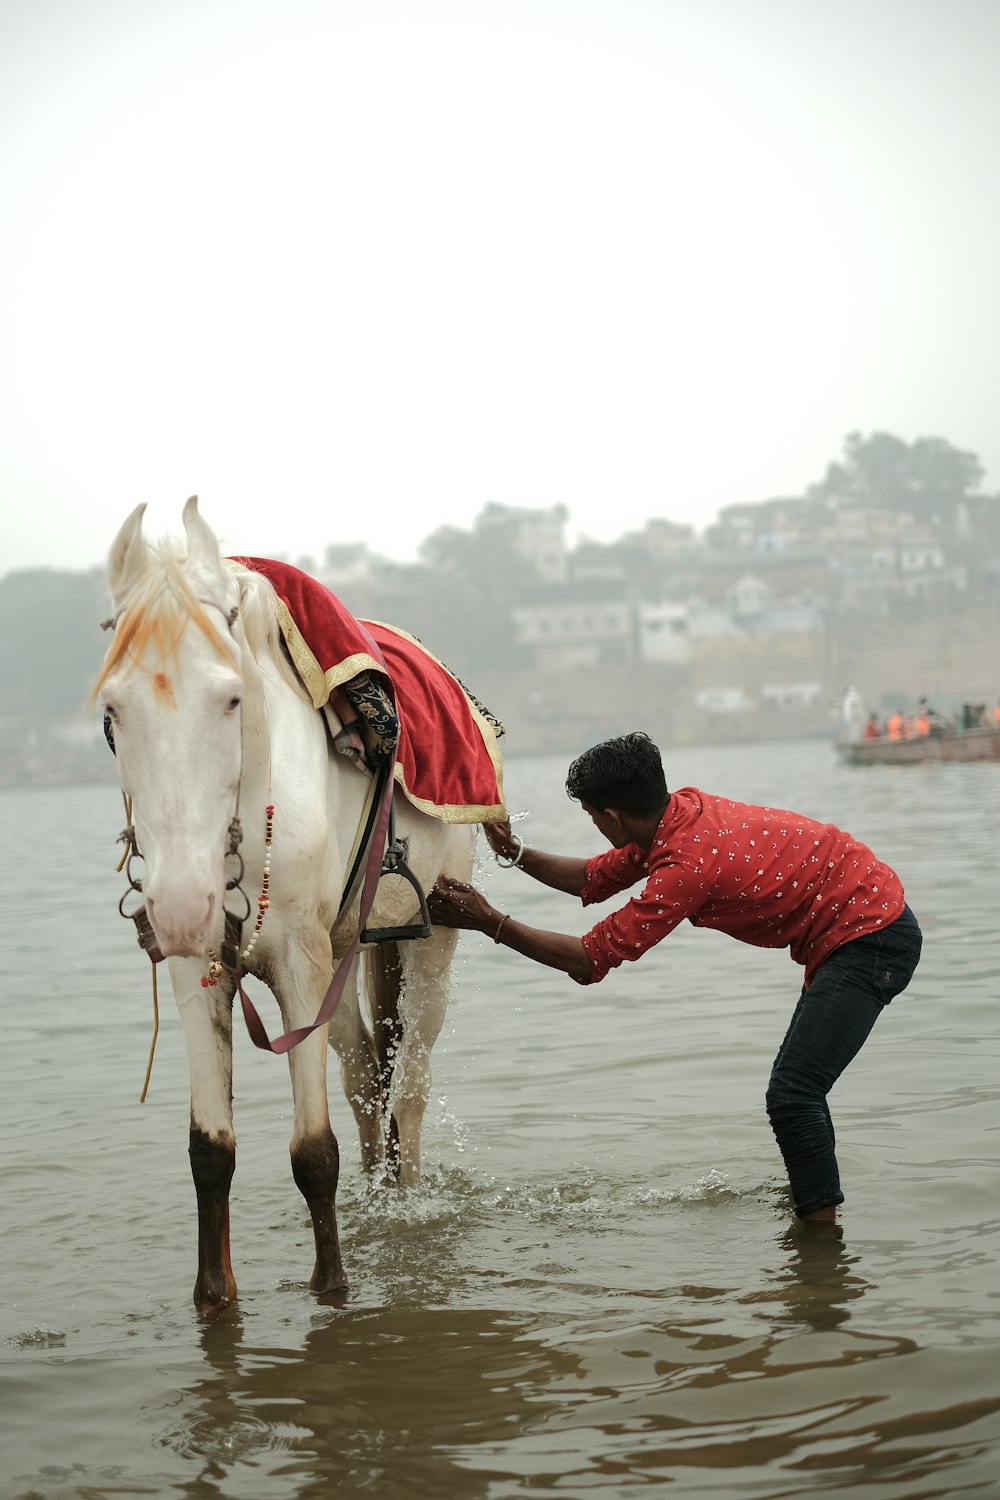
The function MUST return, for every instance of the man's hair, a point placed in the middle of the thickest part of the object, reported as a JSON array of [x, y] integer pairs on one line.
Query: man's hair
[[625, 773]]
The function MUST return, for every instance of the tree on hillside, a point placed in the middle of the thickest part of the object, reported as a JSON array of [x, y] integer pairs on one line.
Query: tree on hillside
[[50, 645], [478, 577], [929, 478]]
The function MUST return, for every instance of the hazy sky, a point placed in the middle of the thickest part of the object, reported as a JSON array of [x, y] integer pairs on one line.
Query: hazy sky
[[351, 270]]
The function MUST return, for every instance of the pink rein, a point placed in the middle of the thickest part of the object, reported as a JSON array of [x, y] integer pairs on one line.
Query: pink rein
[[373, 868]]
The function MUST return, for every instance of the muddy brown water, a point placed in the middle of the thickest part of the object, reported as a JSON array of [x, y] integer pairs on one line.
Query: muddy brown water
[[598, 1289]]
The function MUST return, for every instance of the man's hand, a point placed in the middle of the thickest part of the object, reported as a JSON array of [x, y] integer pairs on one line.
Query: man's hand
[[556, 870], [452, 903], [500, 839]]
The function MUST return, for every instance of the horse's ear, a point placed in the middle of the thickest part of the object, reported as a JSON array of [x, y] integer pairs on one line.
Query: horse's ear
[[125, 550], [203, 544]]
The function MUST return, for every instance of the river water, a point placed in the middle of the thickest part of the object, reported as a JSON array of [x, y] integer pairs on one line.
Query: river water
[[599, 1288]]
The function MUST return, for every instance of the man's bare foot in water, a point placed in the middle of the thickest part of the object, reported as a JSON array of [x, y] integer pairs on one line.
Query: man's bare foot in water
[[822, 1224], [820, 1215]]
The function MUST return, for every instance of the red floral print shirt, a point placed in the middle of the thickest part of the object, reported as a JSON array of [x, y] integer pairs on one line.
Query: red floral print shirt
[[767, 877]]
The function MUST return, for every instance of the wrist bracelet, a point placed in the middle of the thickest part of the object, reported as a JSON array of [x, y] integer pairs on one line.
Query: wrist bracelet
[[511, 864], [503, 919]]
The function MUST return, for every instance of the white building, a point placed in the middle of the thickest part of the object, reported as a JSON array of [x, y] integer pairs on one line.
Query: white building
[[663, 633], [790, 695], [568, 636], [723, 700]]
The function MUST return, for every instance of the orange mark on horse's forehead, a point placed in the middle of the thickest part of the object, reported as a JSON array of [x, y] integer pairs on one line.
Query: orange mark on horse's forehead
[[162, 688]]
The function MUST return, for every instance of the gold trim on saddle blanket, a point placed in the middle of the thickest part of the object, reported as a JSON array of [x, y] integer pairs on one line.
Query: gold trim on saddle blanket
[[320, 684], [455, 813]]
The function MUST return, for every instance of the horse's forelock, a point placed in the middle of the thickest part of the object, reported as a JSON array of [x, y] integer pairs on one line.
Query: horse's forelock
[[154, 608]]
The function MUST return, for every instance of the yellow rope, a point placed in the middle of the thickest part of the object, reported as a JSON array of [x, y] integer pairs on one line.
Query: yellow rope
[[152, 1045]]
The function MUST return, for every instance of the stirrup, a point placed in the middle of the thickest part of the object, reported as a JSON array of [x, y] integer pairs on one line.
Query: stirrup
[[394, 863]]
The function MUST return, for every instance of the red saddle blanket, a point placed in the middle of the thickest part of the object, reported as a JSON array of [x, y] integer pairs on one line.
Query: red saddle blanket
[[447, 762]]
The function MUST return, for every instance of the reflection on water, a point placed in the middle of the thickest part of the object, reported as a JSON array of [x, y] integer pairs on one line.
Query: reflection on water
[[815, 1283], [377, 1401], [458, 1401], [599, 1286], [426, 1386]]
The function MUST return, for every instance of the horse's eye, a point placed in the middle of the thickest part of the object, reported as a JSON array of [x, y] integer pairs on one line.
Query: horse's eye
[[232, 705]]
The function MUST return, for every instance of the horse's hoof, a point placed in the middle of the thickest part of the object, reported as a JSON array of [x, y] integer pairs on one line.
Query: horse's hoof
[[336, 1297], [330, 1284], [214, 1312], [211, 1308], [209, 1303]]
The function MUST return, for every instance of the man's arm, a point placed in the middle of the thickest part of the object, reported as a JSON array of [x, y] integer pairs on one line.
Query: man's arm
[[454, 904], [560, 871]]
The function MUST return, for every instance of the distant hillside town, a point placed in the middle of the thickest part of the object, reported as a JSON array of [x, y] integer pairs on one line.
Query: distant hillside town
[[885, 575]]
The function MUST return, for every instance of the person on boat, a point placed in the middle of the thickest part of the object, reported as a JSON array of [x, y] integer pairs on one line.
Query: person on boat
[[920, 724], [996, 715], [895, 726], [927, 720], [771, 878], [873, 730]]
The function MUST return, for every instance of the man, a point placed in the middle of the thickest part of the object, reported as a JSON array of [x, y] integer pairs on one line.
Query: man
[[771, 878]]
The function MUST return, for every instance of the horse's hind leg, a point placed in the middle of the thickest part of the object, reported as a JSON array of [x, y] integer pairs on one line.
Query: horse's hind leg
[[383, 983], [206, 1015], [423, 1001], [358, 1071]]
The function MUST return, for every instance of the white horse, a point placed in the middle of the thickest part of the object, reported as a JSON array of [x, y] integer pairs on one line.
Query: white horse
[[208, 720]]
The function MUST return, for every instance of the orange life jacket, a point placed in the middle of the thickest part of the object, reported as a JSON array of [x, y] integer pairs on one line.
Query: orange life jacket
[[895, 726]]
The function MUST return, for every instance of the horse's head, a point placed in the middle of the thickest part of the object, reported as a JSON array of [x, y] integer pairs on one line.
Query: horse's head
[[172, 686]]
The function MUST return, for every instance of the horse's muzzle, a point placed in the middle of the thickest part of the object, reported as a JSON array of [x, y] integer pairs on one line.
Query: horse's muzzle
[[183, 927]]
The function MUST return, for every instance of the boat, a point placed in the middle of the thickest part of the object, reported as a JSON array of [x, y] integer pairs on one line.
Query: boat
[[941, 744]]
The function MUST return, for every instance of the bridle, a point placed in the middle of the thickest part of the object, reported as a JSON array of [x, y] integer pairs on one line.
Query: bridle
[[228, 957]]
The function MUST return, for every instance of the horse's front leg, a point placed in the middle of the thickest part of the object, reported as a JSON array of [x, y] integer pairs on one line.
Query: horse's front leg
[[314, 1150], [207, 1018], [316, 1159]]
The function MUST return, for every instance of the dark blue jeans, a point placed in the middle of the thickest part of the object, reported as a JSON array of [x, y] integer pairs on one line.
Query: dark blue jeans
[[830, 1025]]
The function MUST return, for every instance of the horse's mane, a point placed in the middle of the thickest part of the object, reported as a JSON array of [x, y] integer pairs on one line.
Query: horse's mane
[[259, 615]]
